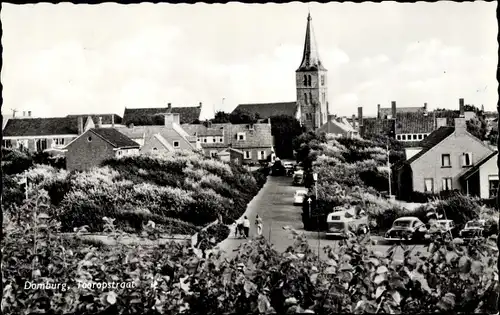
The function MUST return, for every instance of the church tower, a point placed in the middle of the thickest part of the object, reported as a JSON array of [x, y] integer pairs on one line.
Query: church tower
[[311, 84]]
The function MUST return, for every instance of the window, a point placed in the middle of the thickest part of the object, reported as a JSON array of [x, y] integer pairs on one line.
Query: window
[[322, 80], [199, 140], [445, 160], [176, 144], [248, 155], [493, 185], [447, 183], [22, 144], [89, 139], [213, 154], [205, 140], [155, 149], [398, 137], [221, 139], [323, 97], [404, 137], [305, 98], [58, 141], [414, 137], [305, 80], [466, 159], [262, 155], [425, 136], [6, 143], [310, 98], [213, 139], [119, 152], [420, 137], [241, 136], [428, 185]]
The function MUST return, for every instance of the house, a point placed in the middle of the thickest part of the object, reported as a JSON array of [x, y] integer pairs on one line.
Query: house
[[340, 127], [481, 180], [95, 146], [231, 155], [166, 138], [156, 116], [268, 110], [106, 120], [254, 140], [437, 164]]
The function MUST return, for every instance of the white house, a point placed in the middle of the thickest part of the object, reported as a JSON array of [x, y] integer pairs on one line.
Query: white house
[[482, 179]]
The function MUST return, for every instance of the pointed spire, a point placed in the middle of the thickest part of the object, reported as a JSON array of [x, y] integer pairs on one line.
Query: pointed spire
[[310, 57]]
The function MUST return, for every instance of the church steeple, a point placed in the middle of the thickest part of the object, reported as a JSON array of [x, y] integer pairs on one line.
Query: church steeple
[[310, 57]]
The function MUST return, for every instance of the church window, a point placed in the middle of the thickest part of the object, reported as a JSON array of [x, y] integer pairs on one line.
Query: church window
[[309, 79], [305, 80], [305, 98], [310, 98]]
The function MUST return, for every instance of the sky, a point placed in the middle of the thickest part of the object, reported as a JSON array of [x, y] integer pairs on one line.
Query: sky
[[62, 59]]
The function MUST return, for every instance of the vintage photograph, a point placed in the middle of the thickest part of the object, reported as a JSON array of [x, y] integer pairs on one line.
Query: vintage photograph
[[313, 158]]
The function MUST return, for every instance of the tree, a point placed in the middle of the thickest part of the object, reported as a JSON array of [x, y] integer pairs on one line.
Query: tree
[[221, 118], [285, 129], [493, 136], [243, 117], [477, 127]]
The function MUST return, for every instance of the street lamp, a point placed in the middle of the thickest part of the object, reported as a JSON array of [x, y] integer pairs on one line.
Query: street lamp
[[315, 179]]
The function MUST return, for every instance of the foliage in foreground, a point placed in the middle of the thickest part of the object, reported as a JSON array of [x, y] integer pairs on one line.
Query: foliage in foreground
[[173, 279]]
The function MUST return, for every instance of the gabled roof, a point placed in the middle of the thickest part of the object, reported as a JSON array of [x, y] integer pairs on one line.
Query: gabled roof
[[468, 173], [106, 118], [19, 127], [115, 138], [164, 142], [143, 116], [431, 141], [377, 126], [310, 57], [267, 110], [201, 130], [416, 122], [167, 132], [333, 125]]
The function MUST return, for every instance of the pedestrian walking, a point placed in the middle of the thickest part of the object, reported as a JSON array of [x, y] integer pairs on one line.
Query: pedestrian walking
[[258, 224], [246, 226], [238, 231]]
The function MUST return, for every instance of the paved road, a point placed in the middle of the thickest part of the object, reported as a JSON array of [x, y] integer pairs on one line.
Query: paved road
[[274, 204]]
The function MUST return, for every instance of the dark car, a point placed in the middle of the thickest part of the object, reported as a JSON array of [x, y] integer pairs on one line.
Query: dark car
[[278, 169], [298, 178], [407, 229]]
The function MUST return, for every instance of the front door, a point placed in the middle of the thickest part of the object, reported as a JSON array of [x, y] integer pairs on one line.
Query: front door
[[41, 145]]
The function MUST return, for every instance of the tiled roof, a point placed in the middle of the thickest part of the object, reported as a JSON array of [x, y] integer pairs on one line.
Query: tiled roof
[[386, 111], [201, 130], [377, 126], [18, 127], [432, 140], [142, 116], [259, 137], [115, 138], [333, 126], [167, 132], [468, 173], [266, 110], [106, 118], [414, 123]]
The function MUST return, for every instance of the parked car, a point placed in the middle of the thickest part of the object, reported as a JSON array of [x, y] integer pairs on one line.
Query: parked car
[[346, 224], [298, 178], [442, 227], [473, 229], [407, 229], [298, 197], [278, 169]]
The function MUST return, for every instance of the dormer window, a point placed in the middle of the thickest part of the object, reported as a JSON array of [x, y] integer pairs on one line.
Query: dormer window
[[250, 127], [241, 136]]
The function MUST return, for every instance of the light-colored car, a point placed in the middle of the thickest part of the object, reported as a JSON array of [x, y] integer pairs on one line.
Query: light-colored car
[[406, 228], [298, 197], [473, 229]]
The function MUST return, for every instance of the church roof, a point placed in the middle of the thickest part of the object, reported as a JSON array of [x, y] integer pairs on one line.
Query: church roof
[[310, 57], [267, 110]]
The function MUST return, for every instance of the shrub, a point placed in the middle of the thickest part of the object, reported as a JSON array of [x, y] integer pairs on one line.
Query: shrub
[[206, 206], [219, 231]]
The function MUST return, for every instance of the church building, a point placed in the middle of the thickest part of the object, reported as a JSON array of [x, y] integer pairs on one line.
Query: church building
[[311, 105]]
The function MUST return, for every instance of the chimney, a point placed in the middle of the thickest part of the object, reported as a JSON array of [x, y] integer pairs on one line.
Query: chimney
[[460, 126], [199, 106], [29, 113], [112, 120], [393, 106], [353, 121], [169, 105], [461, 107], [80, 125], [425, 107], [360, 116], [99, 122], [378, 111]]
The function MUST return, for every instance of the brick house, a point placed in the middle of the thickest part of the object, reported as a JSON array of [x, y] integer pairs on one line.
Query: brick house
[[156, 116], [47, 134], [481, 180], [437, 164], [167, 138], [95, 146], [254, 140]]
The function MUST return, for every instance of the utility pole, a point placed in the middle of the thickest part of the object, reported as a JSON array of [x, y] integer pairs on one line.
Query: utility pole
[[389, 169]]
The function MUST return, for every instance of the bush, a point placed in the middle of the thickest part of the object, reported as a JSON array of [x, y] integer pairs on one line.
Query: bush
[[219, 231]]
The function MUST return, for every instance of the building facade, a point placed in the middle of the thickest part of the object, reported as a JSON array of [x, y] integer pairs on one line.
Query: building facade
[[481, 180]]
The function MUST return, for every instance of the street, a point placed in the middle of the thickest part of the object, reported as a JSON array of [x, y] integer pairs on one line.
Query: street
[[274, 204]]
